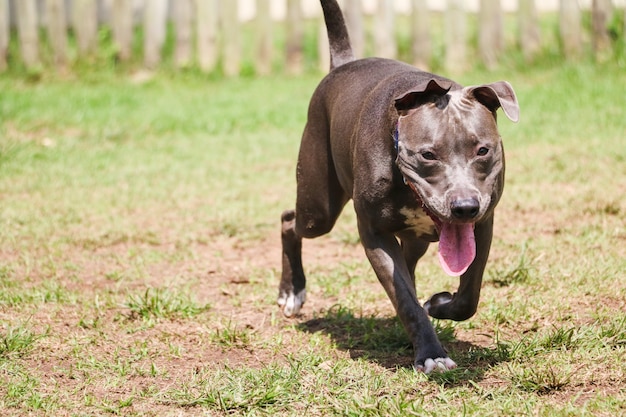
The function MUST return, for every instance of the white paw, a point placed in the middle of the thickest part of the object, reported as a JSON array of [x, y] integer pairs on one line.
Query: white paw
[[438, 364], [291, 303]]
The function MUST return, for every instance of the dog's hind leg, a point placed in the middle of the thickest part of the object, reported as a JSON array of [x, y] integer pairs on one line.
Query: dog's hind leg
[[291, 291], [320, 199]]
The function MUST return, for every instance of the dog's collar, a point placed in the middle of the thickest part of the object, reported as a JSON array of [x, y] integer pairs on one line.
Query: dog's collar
[[396, 142], [395, 137]]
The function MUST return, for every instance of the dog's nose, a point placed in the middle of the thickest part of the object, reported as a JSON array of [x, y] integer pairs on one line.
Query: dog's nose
[[465, 209]]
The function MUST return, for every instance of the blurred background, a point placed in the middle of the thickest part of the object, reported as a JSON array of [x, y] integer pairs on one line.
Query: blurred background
[[260, 37]]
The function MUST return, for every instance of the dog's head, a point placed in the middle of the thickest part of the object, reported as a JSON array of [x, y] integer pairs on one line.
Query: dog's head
[[450, 153]]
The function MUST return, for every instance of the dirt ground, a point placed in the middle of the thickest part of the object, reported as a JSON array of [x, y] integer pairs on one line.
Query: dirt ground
[[87, 335], [95, 351]]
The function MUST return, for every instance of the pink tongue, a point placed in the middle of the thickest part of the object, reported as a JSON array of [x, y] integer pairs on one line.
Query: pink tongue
[[457, 247]]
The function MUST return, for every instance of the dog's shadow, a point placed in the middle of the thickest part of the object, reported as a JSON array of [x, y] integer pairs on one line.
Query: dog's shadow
[[385, 342]]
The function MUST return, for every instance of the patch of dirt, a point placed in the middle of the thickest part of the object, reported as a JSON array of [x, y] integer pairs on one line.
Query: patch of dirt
[[87, 336]]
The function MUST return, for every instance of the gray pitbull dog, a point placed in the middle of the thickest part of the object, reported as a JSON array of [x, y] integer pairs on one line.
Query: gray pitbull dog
[[422, 160]]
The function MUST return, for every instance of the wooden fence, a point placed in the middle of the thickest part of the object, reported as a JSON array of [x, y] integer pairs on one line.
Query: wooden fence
[[41, 34]]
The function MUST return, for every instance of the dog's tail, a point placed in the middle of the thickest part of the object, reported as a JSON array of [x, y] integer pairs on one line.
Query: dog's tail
[[340, 48]]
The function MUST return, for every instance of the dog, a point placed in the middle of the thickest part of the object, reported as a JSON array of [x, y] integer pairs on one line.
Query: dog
[[422, 160]]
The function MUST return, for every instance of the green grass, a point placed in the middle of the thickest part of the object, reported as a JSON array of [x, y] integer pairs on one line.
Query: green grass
[[16, 341], [157, 303], [139, 258]]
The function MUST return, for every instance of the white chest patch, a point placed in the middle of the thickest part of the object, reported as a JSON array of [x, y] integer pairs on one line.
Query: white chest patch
[[418, 221]]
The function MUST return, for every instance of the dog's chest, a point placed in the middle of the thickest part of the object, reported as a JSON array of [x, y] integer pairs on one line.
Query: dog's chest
[[419, 222]]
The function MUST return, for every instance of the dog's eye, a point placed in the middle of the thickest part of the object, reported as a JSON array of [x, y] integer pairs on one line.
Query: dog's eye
[[482, 151], [429, 156]]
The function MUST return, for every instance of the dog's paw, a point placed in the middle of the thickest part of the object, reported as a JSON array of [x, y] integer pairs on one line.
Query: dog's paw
[[450, 307], [291, 303], [438, 365], [435, 303]]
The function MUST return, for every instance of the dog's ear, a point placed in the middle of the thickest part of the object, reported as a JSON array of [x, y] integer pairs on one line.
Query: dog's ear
[[498, 94], [427, 92]]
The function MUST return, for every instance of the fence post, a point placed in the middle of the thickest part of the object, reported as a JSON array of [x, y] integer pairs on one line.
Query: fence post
[[5, 33], [353, 13], [26, 11], [207, 20], [264, 43], [183, 21], [57, 31], [490, 32], [122, 25], [384, 33], [421, 44], [154, 24], [570, 28], [601, 43], [232, 52], [455, 39], [529, 36], [85, 24], [323, 48], [294, 37]]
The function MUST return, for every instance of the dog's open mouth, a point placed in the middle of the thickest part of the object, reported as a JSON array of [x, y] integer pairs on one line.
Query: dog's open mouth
[[457, 247], [457, 244]]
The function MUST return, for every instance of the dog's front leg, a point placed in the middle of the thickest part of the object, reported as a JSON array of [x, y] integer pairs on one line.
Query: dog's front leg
[[463, 304], [385, 255]]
